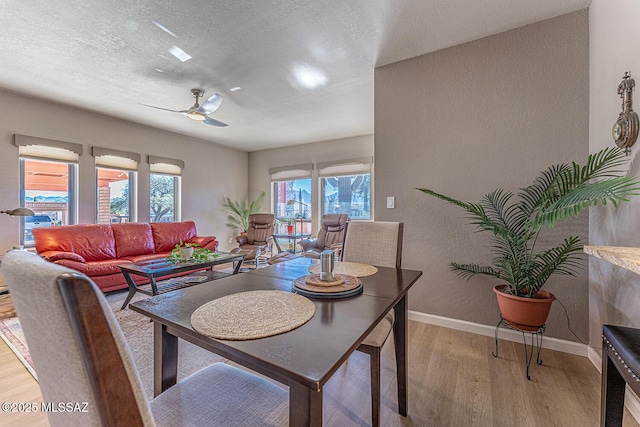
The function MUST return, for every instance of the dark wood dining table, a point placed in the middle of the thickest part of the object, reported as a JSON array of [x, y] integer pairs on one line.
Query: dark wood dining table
[[303, 359]]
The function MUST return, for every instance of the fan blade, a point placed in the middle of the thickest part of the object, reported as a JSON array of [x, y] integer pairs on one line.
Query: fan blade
[[166, 109], [211, 104], [212, 122]]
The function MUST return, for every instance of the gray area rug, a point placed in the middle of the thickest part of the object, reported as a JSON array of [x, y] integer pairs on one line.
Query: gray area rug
[[138, 331]]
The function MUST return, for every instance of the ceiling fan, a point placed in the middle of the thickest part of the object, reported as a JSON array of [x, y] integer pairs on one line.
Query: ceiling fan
[[200, 112]]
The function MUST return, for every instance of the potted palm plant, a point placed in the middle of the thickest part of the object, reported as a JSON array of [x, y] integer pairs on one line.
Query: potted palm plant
[[239, 211], [559, 193]]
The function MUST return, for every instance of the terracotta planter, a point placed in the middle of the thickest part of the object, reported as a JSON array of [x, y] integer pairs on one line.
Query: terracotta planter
[[527, 314], [289, 229]]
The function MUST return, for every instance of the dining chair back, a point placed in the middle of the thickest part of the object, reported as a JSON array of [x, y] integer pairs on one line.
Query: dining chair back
[[377, 243], [81, 357]]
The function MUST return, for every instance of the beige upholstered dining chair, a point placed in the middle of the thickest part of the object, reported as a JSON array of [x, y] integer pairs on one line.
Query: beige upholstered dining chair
[[80, 355], [377, 243]]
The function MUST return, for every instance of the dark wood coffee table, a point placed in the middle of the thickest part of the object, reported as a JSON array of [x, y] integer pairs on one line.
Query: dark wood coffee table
[[157, 268]]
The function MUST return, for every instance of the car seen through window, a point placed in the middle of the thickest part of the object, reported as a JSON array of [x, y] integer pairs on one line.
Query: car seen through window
[[35, 221]]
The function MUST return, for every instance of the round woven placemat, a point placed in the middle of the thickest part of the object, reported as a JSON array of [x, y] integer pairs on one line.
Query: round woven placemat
[[350, 282], [350, 268], [251, 315]]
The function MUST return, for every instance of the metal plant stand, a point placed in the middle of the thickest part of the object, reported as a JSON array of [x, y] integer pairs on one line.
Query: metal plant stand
[[536, 341]]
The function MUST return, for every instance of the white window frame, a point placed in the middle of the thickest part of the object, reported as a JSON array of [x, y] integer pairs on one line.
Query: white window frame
[[48, 150]]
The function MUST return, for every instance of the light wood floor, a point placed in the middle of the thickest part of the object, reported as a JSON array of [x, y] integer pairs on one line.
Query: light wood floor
[[454, 381]]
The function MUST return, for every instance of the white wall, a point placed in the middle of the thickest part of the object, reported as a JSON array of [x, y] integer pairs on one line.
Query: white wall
[[614, 293], [339, 149], [211, 171]]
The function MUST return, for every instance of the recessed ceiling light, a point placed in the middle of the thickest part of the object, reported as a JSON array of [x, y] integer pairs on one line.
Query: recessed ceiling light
[[165, 29], [179, 53], [233, 89], [159, 70], [309, 77]]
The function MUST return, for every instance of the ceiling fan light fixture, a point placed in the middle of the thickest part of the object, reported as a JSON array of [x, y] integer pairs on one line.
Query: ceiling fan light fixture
[[194, 115]]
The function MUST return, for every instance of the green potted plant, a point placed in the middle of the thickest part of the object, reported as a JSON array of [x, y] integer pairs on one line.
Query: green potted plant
[[190, 252], [289, 222], [559, 193], [239, 211]]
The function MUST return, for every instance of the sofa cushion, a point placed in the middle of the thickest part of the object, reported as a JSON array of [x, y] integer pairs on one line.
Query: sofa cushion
[[93, 242], [133, 238], [95, 268], [166, 235], [147, 257]]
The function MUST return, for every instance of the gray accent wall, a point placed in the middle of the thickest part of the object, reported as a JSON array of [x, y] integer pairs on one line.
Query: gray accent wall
[[464, 121], [614, 291], [211, 171]]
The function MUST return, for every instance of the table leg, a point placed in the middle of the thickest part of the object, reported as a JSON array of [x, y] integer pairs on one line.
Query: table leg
[[400, 333], [236, 266], [305, 406], [132, 289], [612, 392], [165, 358], [154, 287]]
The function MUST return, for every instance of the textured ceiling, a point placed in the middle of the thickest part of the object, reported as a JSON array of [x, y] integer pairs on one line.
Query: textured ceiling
[[305, 68]]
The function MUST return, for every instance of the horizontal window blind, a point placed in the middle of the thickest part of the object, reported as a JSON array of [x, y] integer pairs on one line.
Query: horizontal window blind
[[285, 173], [47, 149], [107, 157], [360, 165], [165, 165]]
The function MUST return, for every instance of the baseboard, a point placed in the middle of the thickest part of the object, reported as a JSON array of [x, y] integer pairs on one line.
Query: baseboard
[[505, 334], [595, 359], [631, 400]]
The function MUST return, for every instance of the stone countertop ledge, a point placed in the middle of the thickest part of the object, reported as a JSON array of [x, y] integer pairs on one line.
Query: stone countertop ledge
[[628, 258]]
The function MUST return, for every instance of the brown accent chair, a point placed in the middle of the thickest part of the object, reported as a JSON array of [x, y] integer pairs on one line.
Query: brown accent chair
[[376, 243], [330, 236], [80, 355], [259, 237]]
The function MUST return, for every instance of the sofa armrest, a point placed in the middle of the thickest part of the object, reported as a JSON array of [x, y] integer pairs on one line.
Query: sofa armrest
[[242, 240], [75, 265], [208, 242], [52, 256], [307, 244]]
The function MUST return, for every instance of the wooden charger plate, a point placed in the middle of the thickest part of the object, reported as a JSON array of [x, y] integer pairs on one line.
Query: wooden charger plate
[[312, 283]]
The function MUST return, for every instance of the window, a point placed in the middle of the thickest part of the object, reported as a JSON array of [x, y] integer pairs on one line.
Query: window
[[48, 182], [114, 195], [164, 197], [48, 190], [345, 187], [164, 189], [292, 202], [115, 185], [349, 194], [292, 197]]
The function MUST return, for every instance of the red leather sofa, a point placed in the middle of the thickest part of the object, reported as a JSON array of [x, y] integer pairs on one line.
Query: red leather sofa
[[98, 249]]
